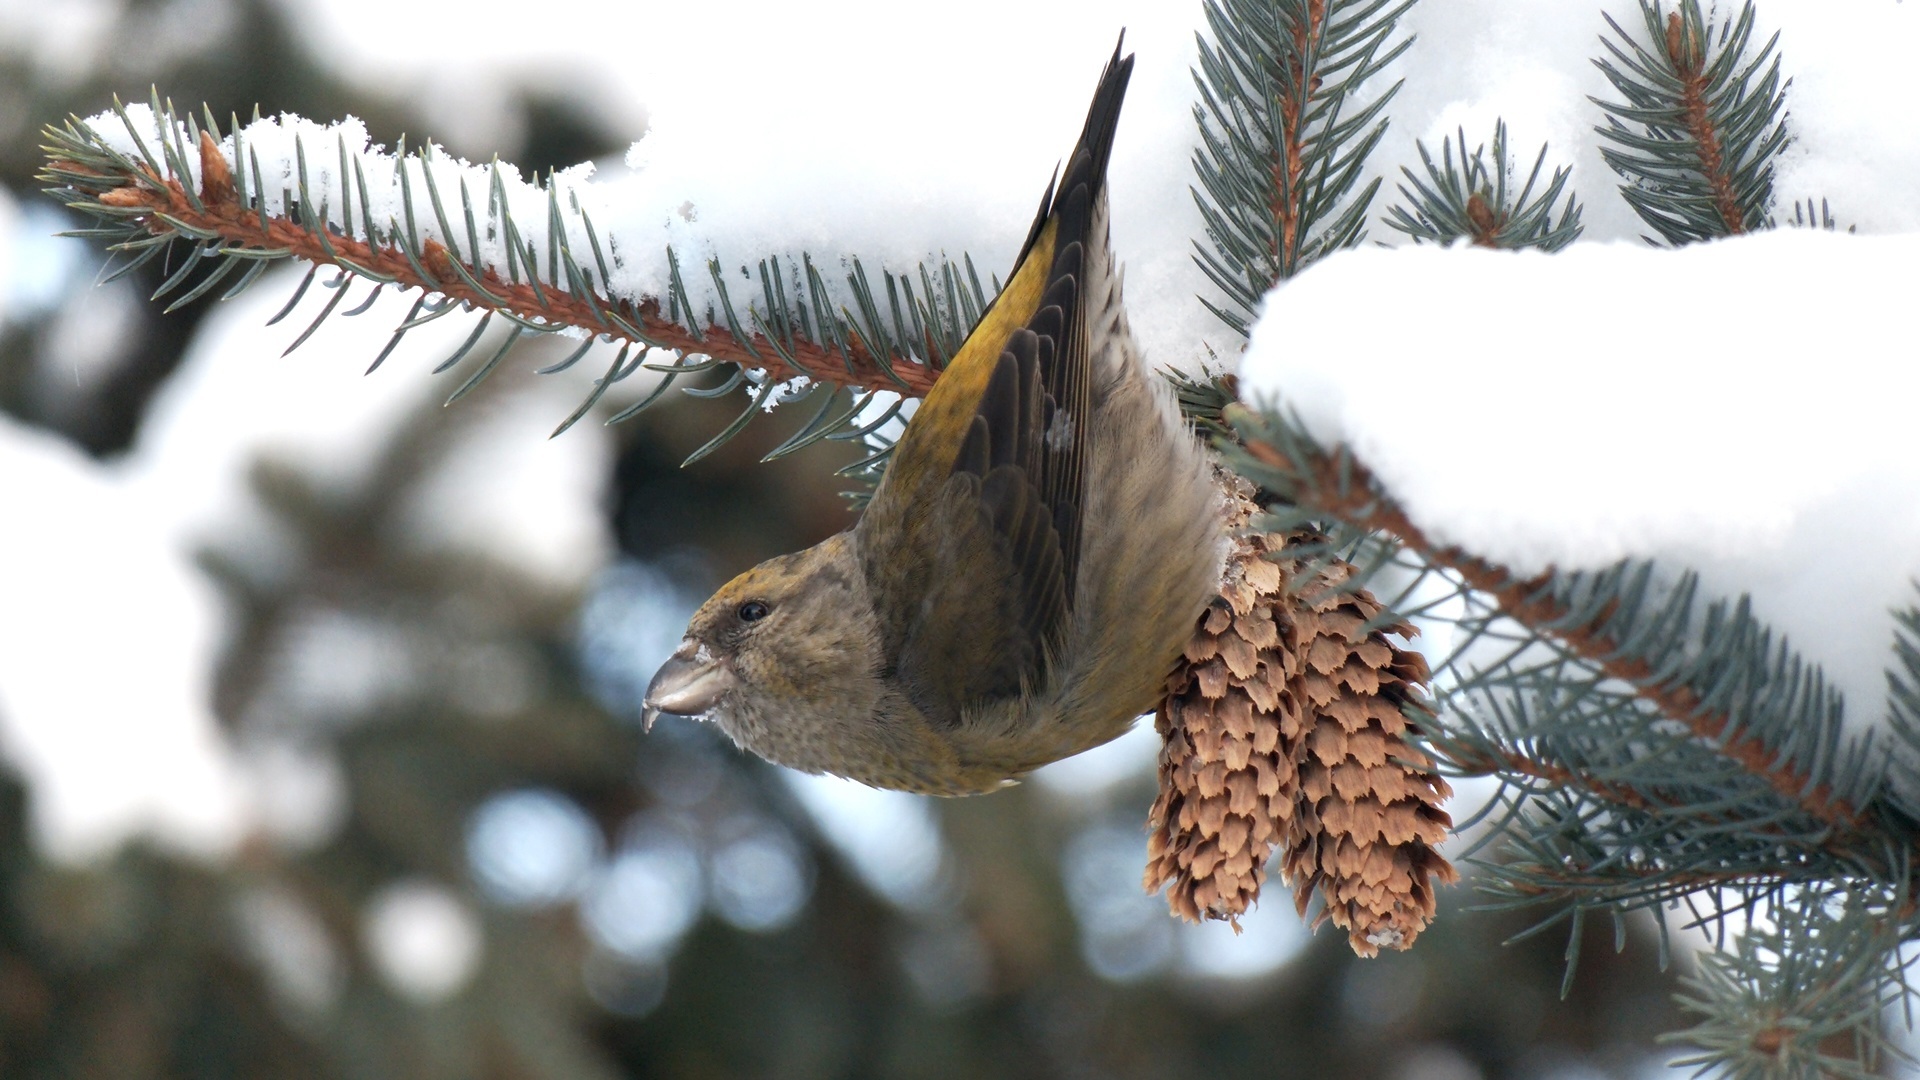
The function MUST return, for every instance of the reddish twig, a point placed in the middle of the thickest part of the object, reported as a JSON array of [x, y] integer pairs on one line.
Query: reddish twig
[[1288, 167], [1689, 61], [1345, 489], [1552, 773], [1841, 845], [221, 212], [1559, 883], [1480, 214]]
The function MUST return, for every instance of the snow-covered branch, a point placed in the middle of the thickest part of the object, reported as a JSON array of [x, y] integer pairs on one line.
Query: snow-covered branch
[[457, 233], [1343, 488], [1656, 562]]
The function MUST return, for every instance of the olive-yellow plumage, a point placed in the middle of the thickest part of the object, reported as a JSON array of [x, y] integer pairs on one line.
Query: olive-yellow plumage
[[1029, 567]]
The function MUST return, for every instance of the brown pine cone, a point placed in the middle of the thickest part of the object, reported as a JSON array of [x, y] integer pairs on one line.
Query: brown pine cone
[[1286, 725]]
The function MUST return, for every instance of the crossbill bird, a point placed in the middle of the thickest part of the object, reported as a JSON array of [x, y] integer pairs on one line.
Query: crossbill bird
[[1029, 568]]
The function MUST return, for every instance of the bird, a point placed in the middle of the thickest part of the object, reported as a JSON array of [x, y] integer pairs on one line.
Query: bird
[[1029, 568]]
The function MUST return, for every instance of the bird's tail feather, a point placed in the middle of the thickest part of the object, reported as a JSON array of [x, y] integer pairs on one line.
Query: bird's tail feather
[[1088, 163]]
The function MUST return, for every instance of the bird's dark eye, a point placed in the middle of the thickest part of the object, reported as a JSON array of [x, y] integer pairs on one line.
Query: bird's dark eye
[[752, 611]]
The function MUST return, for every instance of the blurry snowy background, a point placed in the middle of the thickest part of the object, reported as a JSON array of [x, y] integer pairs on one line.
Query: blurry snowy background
[[318, 752]]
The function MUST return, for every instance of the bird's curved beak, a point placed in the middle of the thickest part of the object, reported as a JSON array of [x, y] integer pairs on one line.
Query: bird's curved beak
[[688, 684]]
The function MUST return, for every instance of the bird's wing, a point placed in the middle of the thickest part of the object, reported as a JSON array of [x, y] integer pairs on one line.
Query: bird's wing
[[972, 542]]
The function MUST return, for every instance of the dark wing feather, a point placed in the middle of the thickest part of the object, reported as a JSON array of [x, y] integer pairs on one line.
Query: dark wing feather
[[1046, 446], [991, 554]]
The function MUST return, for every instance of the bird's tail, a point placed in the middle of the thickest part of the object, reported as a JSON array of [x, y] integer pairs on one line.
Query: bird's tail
[[1087, 165]]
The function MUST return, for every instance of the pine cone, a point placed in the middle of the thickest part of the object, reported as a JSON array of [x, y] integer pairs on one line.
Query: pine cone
[[1231, 732], [1285, 726], [1365, 832]]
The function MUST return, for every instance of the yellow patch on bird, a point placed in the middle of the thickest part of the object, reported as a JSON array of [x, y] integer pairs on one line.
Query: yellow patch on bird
[[938, 429]]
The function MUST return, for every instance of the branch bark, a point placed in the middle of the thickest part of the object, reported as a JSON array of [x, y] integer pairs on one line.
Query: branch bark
[[1689, 62], [1346, 490], [219, 211], [1288, 168]]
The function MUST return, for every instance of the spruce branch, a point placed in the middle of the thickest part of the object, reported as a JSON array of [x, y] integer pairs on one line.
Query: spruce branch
[[1472, 200], [1285, 136], [465, 251], [1652, 752], [1701, 123], [1691, 737], [1903, 705], [1803, 992], [1341, 487]]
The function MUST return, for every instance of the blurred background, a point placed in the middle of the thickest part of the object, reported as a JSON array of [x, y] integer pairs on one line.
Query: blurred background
[[318, 702]]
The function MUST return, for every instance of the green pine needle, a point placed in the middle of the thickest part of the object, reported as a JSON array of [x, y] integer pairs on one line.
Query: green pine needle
[[1700, 122], [1654, 751], [1287, 116], [904, 324], [1473, 200]]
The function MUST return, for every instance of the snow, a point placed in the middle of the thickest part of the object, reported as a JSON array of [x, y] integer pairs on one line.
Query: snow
[[891, 839], [103, 573], [62, 43], [1741, 408], [105, 677], [286, 938], [424, 941], [1855, 140], [503, 490], [542, 503]]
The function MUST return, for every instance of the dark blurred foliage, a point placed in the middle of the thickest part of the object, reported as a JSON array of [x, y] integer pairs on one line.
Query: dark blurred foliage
[[148, 965]]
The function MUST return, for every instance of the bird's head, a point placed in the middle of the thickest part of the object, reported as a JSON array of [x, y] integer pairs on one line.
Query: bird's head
[[784, 642]]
